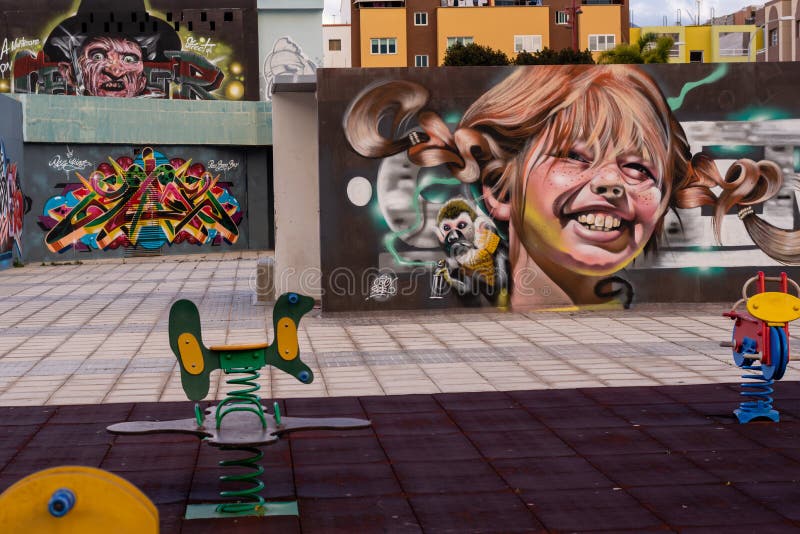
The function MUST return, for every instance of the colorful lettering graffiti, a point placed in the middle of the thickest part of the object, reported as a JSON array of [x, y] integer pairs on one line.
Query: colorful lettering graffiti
[[13, 205], [95, 54], [146, 202]]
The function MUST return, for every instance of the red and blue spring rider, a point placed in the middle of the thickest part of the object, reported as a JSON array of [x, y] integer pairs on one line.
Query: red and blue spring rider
[[761, 334]]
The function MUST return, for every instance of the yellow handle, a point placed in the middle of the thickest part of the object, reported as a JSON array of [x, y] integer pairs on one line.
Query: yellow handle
[[191, 354], [286, 334]]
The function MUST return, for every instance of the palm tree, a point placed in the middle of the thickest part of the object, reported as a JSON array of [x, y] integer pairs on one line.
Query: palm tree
[[649, 48]]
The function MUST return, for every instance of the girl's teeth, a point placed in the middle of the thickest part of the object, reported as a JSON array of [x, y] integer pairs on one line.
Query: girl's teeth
[[599, 221]]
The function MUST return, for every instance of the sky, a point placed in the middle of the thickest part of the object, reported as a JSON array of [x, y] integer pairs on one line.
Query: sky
[[645, 12]]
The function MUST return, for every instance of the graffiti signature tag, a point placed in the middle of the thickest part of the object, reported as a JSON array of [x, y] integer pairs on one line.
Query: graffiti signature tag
[[222, 166], [67, 163], [204, 46]]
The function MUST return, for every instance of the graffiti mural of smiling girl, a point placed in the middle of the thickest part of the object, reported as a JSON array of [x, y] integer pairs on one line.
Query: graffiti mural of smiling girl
[[583, 162]]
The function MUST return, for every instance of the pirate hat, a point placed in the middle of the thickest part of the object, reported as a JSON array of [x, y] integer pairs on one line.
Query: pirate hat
[[112, 18]]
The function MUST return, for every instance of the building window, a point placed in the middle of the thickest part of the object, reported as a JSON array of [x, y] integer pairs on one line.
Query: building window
[[420, 18], [459, 40], [334, 45], [773, 37], [527, 43], [562, 17], [599, 43], [420, 61], [695, 56], [384, 45]]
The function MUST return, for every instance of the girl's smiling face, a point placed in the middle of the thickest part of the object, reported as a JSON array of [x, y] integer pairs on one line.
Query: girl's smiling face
[[589, 213]]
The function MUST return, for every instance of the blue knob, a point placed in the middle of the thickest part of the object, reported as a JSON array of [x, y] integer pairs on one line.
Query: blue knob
[[304, 376], [62, 501], [294, 298]]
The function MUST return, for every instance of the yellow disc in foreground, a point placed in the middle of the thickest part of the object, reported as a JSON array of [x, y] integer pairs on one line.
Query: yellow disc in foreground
[[774, 307], [103, 503]]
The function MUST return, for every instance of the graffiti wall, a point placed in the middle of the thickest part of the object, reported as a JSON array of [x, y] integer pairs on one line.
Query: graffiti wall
[[13, 200], [100, 200], [555, 185], [131, 48]]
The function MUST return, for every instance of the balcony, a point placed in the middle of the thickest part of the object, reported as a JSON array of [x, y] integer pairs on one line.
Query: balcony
[[485, 3], [378, 3]]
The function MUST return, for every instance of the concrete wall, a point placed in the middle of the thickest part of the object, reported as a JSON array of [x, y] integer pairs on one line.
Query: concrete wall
[[337, 58], [12, 182], [83, 119], [296, 168]]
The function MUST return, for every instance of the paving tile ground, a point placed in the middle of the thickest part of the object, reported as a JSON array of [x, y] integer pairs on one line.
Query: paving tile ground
[[96, 332], [482, 421]]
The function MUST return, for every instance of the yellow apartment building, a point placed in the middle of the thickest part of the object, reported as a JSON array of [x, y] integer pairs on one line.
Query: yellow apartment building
[[417, 33], [709, 43]]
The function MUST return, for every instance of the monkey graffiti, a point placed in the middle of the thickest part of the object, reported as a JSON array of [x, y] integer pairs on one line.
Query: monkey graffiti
[[476, 257]]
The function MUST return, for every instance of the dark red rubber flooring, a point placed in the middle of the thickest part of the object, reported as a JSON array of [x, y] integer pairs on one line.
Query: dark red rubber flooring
[[595, 460]]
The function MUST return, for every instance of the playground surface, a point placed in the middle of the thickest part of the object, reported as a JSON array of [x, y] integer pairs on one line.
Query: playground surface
[[482, 421]]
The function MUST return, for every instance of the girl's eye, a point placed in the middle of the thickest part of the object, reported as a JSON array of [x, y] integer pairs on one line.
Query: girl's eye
[[462, 225], [638, 171], [573, 155]]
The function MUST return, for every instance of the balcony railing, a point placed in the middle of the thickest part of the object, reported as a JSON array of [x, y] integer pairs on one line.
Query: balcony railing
[[485, 3], [733, 52]]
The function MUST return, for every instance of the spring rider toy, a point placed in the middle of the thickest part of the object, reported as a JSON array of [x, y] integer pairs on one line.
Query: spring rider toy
[[761, 334], [239, 422]]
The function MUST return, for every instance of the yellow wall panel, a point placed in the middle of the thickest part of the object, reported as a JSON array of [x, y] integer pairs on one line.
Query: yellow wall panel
[[599, 20], [383, 23], [495, 26]]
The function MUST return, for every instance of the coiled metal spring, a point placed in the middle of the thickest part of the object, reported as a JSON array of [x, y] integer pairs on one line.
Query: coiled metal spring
[[248, 499], [245, 399], [758, 395]]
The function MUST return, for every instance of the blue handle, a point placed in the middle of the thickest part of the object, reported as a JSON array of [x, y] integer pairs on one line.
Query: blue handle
[[61, 502]]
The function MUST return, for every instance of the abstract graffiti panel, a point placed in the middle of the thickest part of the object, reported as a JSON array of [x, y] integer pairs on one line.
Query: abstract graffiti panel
[[13, 205], [553, 185], [131, 51], [147, 201]]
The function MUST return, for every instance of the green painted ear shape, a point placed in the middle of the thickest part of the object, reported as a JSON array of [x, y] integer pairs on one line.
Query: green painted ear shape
[[185, 339]]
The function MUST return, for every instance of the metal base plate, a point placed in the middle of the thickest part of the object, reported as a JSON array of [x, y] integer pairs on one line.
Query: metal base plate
[[209, 511]]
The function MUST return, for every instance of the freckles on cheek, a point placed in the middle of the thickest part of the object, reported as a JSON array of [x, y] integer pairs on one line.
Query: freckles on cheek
[[648, 202], [562, 178]]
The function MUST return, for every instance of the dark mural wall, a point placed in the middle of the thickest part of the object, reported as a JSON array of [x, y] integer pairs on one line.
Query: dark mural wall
[[131, 48], [555, 186], [13, 200], [109, 200]]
